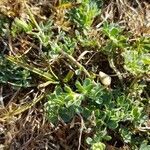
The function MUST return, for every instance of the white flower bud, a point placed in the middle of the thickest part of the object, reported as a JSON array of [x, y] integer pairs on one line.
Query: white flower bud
[[104, 78]]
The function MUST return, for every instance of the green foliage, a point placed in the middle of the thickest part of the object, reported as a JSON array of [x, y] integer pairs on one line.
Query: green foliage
[[137, 58], [13, 74], [106, 111], [44, 34], [84, 15], [63, 42], [98, 146], [85, 40], [58, 100], [108, 108], [144, 146], [20, 25], [116, 39]]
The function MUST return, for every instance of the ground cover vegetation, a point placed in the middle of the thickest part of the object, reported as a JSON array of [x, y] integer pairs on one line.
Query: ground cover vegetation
[[75, 75]]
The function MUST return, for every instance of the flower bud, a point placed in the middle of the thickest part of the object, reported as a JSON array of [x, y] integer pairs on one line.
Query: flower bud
[[104, 78]]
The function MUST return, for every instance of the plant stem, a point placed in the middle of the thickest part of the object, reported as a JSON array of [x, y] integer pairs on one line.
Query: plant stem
[[72, 59]]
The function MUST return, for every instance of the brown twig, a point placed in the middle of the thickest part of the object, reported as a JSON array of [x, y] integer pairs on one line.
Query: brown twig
[[72, 59], [81, 130]]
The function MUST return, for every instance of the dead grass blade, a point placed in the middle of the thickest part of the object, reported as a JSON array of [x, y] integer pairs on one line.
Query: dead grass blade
[[9, 114], [24, 65]]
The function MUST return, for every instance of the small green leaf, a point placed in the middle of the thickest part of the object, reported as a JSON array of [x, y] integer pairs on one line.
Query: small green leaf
[[135, 112], [114, 32], [98, 146], [68, 89], [89, 140], [112, 124], [79, 87], [68, 76], [144, 146]]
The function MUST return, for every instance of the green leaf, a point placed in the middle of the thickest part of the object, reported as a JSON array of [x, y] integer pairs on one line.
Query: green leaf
[[112, 124], [89, 140], [68, 76], [98, 146], [67, 114], [114, 32], [126, 134], [80, 87], [135, 112], [68, 89], [144, 146]]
